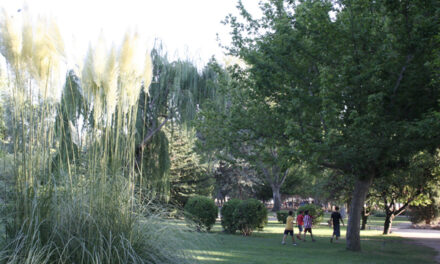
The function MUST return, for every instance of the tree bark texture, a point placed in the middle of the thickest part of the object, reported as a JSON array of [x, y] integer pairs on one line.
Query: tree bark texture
[[276, 198], [364, 221], [388, 223], [357, 203]]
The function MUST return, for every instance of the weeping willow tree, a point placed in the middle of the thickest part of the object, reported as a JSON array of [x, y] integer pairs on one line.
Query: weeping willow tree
[[75, 180], [178, 91]]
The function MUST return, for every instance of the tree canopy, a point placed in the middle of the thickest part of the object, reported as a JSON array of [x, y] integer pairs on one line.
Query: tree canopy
[[350, 80]]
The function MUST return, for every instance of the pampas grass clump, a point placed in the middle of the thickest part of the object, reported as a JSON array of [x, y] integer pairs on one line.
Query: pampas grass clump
[[73, 175]]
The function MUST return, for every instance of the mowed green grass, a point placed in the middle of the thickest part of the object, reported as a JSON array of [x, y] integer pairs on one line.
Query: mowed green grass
[[375, 222], [265, 247]]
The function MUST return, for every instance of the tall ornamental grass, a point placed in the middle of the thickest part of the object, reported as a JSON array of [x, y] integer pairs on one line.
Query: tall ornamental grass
[[75, 198]]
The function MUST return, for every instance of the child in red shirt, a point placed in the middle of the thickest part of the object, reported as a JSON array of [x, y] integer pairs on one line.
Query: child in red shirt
[[300, 222]]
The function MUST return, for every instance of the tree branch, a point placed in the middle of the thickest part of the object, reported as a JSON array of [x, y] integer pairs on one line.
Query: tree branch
[[408, 60], [150, 134], [284, 177]]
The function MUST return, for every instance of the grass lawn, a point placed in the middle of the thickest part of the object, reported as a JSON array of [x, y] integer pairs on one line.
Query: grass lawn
[[375, 222], [265, 247]]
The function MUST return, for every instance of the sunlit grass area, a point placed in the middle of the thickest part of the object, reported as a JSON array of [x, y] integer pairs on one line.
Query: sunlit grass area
[[376, 222], [379, 221], [265, 247]]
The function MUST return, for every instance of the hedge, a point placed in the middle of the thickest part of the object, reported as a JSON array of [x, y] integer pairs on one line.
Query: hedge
[[249, 215], [245, 216], [227, 212], [202, 210], [282, 216], [315, 211]]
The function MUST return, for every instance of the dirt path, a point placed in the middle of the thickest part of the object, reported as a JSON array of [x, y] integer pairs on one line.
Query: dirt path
[[424, 237]]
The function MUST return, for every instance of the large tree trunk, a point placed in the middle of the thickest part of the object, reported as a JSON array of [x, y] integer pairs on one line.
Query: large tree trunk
[[354, 220], [276, 198], [387, 225]]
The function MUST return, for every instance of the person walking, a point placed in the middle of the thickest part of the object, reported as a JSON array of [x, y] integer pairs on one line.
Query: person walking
[[308, 220], [289, 229], [335, 218], [300, 223]]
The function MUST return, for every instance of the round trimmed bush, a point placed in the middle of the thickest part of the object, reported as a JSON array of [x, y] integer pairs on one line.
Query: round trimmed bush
[[315, 211], [227, 212], [202, 210], [250, 214], [282, 216]]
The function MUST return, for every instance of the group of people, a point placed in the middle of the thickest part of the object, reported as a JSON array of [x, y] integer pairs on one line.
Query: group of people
[[304, 222]]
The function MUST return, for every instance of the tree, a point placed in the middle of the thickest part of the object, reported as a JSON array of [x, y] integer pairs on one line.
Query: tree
[[235, 180], [263, 192], [188, 177], [367, 209], [249, 130], [177, 92], [407, 186], [354, 84], [426, 213]]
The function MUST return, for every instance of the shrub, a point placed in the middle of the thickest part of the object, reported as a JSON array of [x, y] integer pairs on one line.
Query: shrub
[[282, 216], [227, 212], [250, 214], [315, 211], [82, 230], [425, 214], [202, 210], [71, 202], [379, 213]]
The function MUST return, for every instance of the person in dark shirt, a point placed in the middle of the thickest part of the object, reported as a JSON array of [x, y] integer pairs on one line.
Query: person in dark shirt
[[335, 217]]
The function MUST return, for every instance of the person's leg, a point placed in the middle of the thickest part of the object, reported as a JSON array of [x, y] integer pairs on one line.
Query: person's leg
[[311, 235], [284, 239], [293, 237], [305, 233], [337, 232]]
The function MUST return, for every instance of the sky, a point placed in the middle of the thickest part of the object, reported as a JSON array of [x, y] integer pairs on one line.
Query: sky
[[187, 28]]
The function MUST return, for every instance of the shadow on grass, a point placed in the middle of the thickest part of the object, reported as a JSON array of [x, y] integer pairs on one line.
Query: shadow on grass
[[265, 247]]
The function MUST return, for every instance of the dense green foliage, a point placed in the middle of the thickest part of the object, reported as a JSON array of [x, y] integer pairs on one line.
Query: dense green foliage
[[243, 215], [411, 185], [315, 211], [249, 215], [179, 89], [202, 210], [227, 213], [188, 176], [282, 216], [248, 133], [334, 100], [354, 87], [428, 211], [424, 214], [75, 191]]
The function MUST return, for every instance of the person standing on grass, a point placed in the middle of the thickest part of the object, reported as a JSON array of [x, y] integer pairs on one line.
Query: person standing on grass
[[300, 223], [335, 217], [308, 225], [289, 229]]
